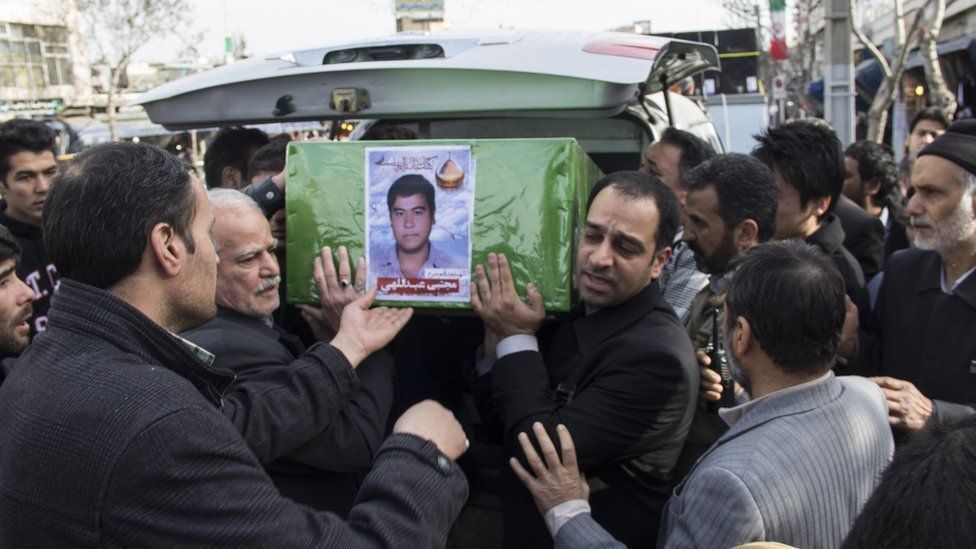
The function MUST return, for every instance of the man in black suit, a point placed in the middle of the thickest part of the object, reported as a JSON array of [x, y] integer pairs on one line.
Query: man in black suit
[[864, 236], [244, 339], [871, 182], [619, 373]]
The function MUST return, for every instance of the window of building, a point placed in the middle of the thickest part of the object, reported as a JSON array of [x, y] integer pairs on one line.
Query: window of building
[[34, 56]]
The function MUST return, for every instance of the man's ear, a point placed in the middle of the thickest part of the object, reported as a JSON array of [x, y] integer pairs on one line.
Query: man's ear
[[230, 177], [743, 340], [167, 249], [658, 262], [745, 235], [872, 188]]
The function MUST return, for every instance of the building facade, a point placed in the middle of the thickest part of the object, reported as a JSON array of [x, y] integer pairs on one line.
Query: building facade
[[43, 60]]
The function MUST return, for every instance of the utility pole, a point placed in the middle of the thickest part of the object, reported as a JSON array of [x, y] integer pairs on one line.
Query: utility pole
[[839, 73]]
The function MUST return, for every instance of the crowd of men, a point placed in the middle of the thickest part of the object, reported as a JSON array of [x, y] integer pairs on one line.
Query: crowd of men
[[776, 347]]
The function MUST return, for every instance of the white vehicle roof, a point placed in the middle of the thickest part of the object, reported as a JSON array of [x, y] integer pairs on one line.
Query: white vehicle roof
[[444, 73]]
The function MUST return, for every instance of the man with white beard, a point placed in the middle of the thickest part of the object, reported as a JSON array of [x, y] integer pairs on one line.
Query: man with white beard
[[925, 352], [243, 338]]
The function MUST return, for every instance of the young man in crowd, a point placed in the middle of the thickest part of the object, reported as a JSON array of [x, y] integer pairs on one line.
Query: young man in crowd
[[927, 125], [670, 158], [27, 167], [114, 431], [15, 304], [808, 167], [925, 348], [225, 162], [871, 182], [731, 207], [244, 338], [619, 373], [799, 459]]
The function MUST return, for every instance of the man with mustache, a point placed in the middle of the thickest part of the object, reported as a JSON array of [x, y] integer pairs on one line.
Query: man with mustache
[[27, 166], [925, 351], [243, 338], [15, 303], [619, 373]]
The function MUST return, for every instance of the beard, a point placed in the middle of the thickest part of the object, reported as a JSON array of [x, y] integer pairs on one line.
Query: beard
[[718, 262], [12, 343], [958, 226], [735, 371]]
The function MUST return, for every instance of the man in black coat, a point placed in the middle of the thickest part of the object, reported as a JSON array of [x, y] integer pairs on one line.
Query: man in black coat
[[871, 184], [244, 338], [620, 373], [116, 432], [808, 166], [925, 349], [27, 165]]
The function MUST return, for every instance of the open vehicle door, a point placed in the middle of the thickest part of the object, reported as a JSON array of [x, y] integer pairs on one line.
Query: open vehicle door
[[434, 75]]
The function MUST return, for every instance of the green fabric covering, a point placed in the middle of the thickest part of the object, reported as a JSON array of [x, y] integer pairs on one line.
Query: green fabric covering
[[529, 196]]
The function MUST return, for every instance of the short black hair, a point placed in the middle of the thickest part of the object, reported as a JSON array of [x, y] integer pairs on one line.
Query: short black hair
[[230, 148], [793, 297], [638, 185], [925, 497], [409, 185], [694, 150], [933, 114], [9, 247], [875, 162], [388, 132], [269, 158], [808, 155], [23, 135], [744, 187], [104, 204]]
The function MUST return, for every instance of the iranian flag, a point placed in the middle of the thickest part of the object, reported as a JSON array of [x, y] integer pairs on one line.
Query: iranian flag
[[777, 44]]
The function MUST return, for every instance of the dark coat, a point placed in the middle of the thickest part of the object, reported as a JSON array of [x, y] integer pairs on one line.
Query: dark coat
[[864, 236], [925, 336], [629, 414], [114, 433], [321, 473], [896, 236], [829, 238], [34, 268]]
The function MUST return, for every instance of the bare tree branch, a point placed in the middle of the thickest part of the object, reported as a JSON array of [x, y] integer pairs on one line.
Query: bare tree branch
[[852, 11], [878, 112], [118, 29], [938, 90]]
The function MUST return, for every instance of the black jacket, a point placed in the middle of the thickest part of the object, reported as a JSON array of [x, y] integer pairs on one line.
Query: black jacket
[[320, 473], [111, 434], [864, 236], [636, 381], [829, 238], [34, 268], [925, 336], [896, 236]]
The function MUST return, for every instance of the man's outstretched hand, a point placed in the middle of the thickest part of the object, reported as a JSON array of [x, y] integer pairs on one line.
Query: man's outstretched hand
[[556, 480], [494, 299], [363, 331], [337, 288]]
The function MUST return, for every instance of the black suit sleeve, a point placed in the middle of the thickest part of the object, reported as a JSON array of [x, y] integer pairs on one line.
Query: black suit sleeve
[[280, 408], [641, 395], [358, 430], [187, 480]]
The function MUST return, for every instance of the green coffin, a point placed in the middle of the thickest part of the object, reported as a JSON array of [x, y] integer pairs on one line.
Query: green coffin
[[528, 196]]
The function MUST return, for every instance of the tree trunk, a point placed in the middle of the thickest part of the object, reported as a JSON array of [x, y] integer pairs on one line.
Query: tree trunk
[[110, 105], [878, 112], [939, 94]]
